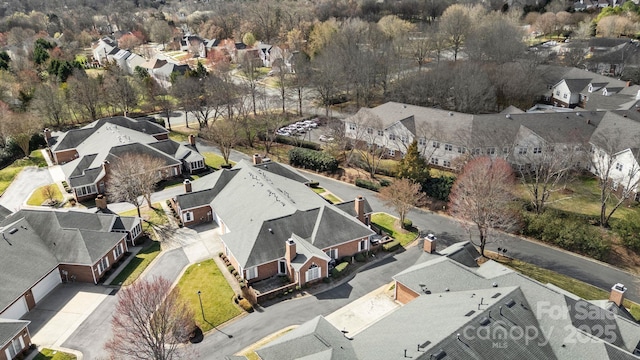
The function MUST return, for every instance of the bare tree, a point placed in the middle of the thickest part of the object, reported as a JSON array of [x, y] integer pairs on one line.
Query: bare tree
[[20, 128], [150, 322], [49, 103], [326, 80], [224, 134], [616, 168], [375, 148], [546, 23], [121, 93], [401, 195], [132, 177], [456, 23], [87, 93], [482, 196], [160, 32], [49, 193], [250, 71]]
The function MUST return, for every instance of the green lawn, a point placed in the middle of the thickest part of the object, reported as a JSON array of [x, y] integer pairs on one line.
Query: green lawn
[[10, 172], [216, 294], [48, 354], [178, 136], [334, 199], [136, 266], [582, 197], [318, 190], [151, 217], [583, 290], [214, 160], [389, 224], [38, 196]]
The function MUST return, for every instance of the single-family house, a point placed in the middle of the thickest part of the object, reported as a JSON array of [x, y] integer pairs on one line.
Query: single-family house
[[85, 153], [14, 338], [576, 87], [102, 49], [40, 249], [451, 308], [273, 224]]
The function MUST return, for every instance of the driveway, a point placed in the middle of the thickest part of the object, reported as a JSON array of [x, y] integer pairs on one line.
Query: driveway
[[62, 311], [29, 179]]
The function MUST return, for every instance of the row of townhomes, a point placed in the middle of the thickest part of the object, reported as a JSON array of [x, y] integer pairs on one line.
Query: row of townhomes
[[451, 308], [272, 223], [85, 153], [40, 249], [594, 140]]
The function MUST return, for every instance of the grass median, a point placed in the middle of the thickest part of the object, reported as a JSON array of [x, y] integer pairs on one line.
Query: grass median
[[391, 226], [136, 266], [49, 354]]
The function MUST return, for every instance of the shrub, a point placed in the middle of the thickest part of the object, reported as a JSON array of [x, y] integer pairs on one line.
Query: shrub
[[439, 187], [245, 305], [312, 159], [325, 280], [628, 229], [367, 184], [288, 140], [384, 182], [314, 184], [220, 254], [391, 246], [234, 272], [230, 268], [339, 269], [407, 224], [567, 231], [360, 257]]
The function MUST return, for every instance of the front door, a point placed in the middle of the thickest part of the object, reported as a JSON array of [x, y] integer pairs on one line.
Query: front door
[[282, 267], [31, 302]]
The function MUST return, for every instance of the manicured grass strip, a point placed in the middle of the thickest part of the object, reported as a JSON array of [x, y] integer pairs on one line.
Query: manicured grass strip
[[38, 196], [214, 160], [318, 190], [581, 289], [10, 172], [136, 266], [216, 294], [389, 224], [334, 199], [178, 136], [48, 354]]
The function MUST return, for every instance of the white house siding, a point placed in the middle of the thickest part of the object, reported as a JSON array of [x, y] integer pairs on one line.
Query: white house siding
[[16, 310], [561, 93], [629, 174], [44, 287]]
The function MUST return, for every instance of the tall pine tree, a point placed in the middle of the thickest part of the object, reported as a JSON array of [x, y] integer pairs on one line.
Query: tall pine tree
[[414, 166]]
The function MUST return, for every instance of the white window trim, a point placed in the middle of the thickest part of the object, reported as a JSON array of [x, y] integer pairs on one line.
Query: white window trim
[[331, 251], [315, 270], [362, 245]]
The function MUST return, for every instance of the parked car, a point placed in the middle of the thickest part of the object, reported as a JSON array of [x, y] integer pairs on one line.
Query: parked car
[[431, 237], [325, 138]]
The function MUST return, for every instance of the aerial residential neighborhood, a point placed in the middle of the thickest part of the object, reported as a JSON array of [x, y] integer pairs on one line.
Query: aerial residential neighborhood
[[319, 180]]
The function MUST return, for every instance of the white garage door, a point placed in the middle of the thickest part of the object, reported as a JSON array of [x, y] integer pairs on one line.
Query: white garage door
[[41, 289], [16, 310]]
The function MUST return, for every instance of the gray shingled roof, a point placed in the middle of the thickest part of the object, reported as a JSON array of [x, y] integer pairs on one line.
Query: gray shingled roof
[[349, 207], [46, 238], [9, 329]]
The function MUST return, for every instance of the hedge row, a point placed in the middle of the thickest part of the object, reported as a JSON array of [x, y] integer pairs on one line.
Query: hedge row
[[367, 184], [568, 232], [311, 159], [391, 246], [339, 269]]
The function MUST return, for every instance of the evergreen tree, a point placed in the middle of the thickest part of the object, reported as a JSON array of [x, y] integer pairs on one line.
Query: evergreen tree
[[413, 166]]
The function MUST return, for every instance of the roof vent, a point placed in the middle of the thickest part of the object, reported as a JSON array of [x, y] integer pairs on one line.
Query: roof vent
[[470, 313], [495, 284], [510, 303], [485, 321], [450, 113], [496, 295], [508, 116], [578, 114], [13, 231], [439, 355]]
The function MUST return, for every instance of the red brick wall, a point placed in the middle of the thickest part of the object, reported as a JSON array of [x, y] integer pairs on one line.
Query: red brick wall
[[321, 263], [25, 337], [199, 216], [83, 273], [65, 156], [265, 271], [161, 136], [347, 249], [404, 294]]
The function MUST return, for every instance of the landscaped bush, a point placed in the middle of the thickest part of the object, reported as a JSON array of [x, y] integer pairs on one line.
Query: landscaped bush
[[439, 187], [391, 246], [628, 229], [360, 257], [314, 160], [407, 224], [230, 268], [384, 182], [569, 232], [367, 184], [314, 184], [245, 305], [288, 140], [339, 269]]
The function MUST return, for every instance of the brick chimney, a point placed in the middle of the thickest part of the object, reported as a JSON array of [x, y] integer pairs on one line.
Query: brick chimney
[[192, 140], [187, 185], [359, 206], [290, 251], [101, 202], [105, 167], [257, 159], [47, 135], [617, 294], [429, 245]]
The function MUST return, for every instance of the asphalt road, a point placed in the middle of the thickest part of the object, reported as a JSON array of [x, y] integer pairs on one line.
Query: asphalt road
[[450, 231], [28, 179]]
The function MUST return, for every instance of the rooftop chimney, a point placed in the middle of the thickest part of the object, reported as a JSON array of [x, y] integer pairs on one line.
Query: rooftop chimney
[[359, 205], [617, 294], [429, 245], [290, 251], [192, 140], [187, 185], [257, 159], [47, 134], [101, 202], [105, 166]]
